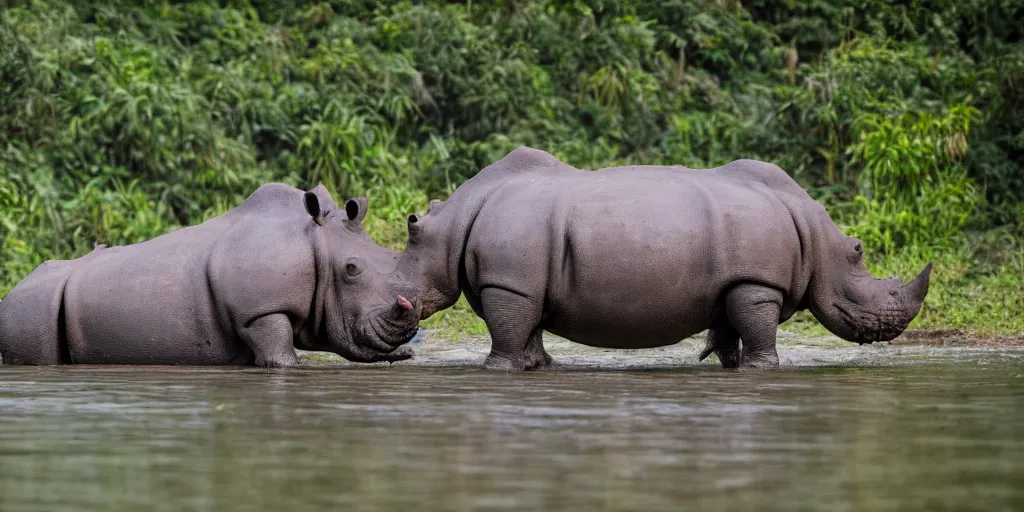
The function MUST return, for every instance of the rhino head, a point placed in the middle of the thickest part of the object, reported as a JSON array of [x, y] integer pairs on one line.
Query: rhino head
[[853, 304], [430, 265], [356, 313]]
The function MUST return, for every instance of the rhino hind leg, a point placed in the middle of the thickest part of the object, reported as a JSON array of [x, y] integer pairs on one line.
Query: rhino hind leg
[[32, 317], [534, 355], [753, 311], [512, 320], [724, 341]]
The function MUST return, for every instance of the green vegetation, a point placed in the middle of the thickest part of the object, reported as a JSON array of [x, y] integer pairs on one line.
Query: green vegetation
[[121, 120]]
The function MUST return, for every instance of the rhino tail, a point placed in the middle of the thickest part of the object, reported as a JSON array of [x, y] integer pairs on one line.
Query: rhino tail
[[709, 348]]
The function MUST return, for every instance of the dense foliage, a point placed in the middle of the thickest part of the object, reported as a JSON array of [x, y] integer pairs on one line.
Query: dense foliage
[[121, 120]]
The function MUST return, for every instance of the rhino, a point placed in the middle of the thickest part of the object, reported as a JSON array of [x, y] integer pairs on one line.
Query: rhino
[[645, 256], [286, 269]]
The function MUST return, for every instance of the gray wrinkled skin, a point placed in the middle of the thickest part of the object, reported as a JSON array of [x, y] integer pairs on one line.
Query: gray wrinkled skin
[[645, 256], [284, 270]]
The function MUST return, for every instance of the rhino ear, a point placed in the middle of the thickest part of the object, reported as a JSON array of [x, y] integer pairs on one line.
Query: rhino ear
[[355, 209], [320, 189], [313, 207]]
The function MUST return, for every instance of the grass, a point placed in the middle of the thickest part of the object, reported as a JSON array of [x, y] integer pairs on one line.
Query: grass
[[456, 322]]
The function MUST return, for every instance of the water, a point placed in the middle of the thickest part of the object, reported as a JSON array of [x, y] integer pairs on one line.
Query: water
[[942, 434]]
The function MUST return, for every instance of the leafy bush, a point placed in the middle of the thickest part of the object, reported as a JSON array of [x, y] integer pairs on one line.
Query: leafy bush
[[915, 188], [122, 120]]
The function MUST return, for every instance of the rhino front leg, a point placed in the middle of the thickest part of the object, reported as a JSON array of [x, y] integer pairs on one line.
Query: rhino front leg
[[512, 320], [753, 311], [270, 338]]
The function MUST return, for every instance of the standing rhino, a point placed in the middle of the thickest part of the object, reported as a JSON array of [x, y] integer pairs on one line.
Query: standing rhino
[[645, 256], [247, 287]]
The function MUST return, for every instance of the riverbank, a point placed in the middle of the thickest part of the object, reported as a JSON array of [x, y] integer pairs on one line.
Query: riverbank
[[796, 350], [957, 338]]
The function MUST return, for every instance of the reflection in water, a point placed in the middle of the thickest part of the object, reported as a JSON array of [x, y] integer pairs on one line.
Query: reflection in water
[[925, 437]]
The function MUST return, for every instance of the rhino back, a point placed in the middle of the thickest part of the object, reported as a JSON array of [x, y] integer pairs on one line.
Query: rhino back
[[148, 302], [179, 298]]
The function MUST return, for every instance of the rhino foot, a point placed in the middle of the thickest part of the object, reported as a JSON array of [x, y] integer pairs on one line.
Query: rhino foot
[[767, 362], [729, 358], [534, 355], [279, 361], [495, 362], [545, 364]]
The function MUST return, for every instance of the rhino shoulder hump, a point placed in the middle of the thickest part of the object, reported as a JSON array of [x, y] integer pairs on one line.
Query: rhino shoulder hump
[[757, 168], [272, 194], [526, 158], [764, 172], [273, 189]]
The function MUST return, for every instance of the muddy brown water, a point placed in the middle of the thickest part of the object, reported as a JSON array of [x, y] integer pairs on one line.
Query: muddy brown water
[[838, 428]]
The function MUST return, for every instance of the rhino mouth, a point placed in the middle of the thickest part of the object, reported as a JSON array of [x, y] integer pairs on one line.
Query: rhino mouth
[[867, 327], [383, 333], [363, 354], [412, 334], [359, 342], [369, 349], [393, 343]]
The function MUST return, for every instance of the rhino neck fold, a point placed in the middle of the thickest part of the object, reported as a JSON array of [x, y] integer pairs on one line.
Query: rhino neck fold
[[828, 271], [808, 226], [444, 265], [322, 283]]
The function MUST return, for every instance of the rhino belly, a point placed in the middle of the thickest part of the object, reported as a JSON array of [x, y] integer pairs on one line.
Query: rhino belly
[[629, 316], [128, 309], [646, 288]]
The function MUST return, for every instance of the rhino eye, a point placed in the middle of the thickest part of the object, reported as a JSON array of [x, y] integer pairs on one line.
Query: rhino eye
[[856, 255], [353, 269]]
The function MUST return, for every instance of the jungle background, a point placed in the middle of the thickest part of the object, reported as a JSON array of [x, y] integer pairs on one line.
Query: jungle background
[[122, 120]]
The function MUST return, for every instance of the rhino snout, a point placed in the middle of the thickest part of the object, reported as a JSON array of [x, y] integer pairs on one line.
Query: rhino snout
[[407, 312]]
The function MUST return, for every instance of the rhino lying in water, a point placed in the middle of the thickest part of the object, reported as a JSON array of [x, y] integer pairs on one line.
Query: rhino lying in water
[[285, 269], [645, 256]]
